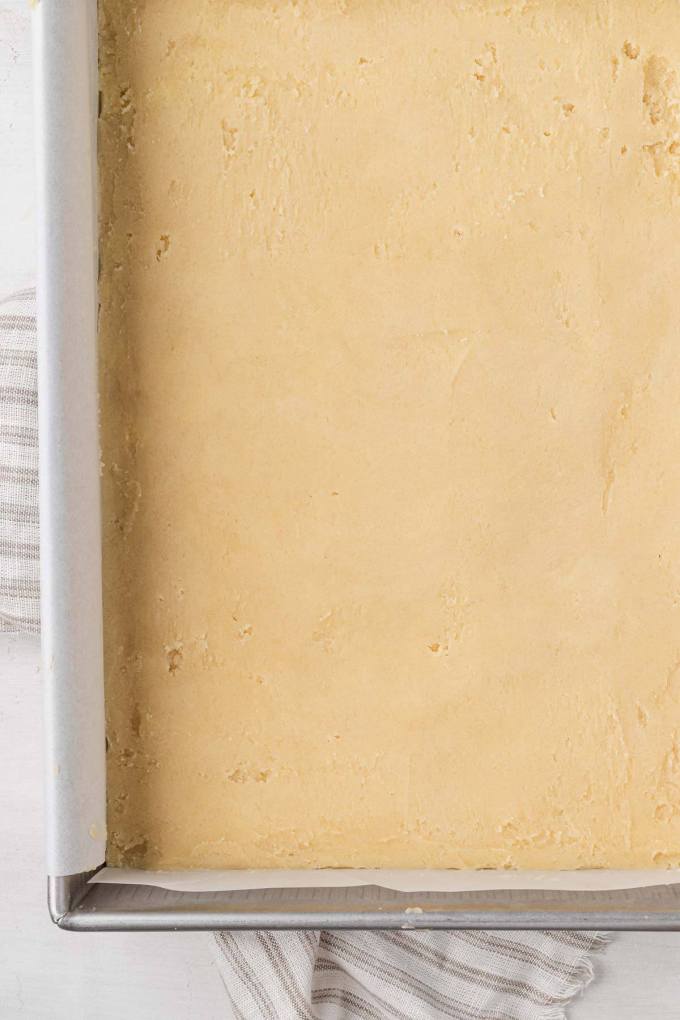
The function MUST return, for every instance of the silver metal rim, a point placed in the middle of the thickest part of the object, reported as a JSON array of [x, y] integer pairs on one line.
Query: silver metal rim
[[76, 904]]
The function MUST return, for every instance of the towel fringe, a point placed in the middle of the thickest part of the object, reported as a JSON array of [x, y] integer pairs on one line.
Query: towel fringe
[[581, 976]]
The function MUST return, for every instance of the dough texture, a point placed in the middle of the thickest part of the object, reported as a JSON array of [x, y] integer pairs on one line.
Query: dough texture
[[390, 402]]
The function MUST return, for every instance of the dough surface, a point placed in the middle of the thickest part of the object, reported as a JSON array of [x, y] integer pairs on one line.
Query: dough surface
[[390, 377]]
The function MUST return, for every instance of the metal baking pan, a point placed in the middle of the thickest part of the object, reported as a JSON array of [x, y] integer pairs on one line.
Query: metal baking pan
[[84, 895]]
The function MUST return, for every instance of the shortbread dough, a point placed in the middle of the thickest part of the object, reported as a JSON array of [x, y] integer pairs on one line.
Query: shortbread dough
[[390, 402]]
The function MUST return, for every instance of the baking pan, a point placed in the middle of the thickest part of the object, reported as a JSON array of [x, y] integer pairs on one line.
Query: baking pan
[[83, 894]]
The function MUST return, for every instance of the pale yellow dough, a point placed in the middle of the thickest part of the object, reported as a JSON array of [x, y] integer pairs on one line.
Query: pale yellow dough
[[390, 347]]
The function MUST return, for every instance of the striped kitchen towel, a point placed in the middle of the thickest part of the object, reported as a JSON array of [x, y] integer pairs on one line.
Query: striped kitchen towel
[[19, 550], [465, 975]]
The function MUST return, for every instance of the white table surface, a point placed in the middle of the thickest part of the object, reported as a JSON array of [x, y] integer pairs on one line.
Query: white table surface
[[47, 973]]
